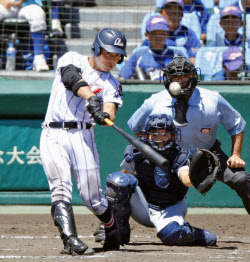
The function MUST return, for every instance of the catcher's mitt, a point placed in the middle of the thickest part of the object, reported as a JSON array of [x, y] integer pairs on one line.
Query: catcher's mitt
[[204, 168]]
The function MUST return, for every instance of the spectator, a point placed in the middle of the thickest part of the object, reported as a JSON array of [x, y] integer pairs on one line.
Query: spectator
[[240, 5], [180, 35], [230, 21], [202, 12], [150, 58], [32, 11], [232, 61], [56, 26]]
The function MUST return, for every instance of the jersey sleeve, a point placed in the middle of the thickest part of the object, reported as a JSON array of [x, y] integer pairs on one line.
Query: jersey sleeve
[[204, 19], [230, 118], [137, 121], [69, 58], [193, 44], [128, 67], [113, 92]]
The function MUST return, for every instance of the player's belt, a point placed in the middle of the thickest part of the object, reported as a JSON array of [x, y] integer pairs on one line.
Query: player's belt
[[70, 125]]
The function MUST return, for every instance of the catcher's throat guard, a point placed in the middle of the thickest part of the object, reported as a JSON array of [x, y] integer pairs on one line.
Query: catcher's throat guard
[[204, 168]]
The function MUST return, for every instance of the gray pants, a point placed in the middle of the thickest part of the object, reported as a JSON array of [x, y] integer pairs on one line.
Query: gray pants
[[236, 178]]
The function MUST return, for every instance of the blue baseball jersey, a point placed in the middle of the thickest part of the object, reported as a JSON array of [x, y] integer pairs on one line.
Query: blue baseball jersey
[[183, 36], [150, 61], [201, 11], [207, 109], [221, 75], [35, 2], [223, 41]]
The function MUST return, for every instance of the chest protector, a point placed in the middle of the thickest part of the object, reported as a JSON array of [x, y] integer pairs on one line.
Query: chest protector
[[154, 194]]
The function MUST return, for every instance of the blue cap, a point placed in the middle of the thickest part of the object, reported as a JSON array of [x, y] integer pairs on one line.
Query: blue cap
[[230, 10], [179, 2], [232, 58], [157, 22]]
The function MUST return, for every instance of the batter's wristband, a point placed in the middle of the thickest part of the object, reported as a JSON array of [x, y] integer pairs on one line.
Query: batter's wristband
[[77, 85]]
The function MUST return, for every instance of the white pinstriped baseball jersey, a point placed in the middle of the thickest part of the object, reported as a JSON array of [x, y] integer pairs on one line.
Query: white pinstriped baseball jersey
[[66, 152], [65, 106]]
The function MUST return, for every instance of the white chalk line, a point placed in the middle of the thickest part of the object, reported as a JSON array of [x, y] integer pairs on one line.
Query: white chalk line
[[91, 236], [50, 257]]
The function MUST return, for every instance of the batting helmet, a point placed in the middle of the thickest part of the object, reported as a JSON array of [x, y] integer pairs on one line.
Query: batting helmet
[[152, 126], [180, 65], [112, 40]]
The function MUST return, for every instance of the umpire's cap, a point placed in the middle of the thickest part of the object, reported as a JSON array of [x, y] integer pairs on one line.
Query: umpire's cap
[[112, 40]]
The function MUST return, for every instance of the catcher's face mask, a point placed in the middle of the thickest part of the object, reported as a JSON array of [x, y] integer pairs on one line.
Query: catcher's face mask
[[159, 132], [181, 70]]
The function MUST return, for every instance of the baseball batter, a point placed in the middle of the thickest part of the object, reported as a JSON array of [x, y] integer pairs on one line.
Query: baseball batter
[[84, 92], [198, 113]]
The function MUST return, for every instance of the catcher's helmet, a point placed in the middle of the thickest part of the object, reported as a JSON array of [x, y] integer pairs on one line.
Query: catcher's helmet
[[180, 65], [152, 126], [112, 40]]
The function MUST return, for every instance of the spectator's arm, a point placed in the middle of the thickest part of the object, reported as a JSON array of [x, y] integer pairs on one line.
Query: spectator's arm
[[193, 45], [8, 3]]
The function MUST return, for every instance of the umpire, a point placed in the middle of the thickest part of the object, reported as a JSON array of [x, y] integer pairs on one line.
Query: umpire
[[198, 113]]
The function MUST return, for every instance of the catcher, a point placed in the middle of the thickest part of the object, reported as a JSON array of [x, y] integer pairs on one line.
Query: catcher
[[156, 197]]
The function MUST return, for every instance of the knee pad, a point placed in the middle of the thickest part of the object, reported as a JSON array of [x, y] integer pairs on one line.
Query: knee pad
[[120, 187], [118, 191], [175, 235]]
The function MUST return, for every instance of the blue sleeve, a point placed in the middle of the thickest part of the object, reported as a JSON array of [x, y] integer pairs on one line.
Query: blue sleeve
[[137, 121], [145, 43], [204, 20], [219, 76], [35, 2], [193, 44], [230, 118], [128, 68]]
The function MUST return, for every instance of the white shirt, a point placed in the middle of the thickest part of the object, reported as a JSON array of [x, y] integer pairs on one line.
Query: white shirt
[[65, 106]]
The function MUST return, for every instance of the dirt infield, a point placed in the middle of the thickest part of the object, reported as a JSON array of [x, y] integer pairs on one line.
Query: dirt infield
[[35, 238]]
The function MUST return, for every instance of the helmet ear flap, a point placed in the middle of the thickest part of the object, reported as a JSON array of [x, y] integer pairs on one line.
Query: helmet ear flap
[[121, 59], [95, 49]]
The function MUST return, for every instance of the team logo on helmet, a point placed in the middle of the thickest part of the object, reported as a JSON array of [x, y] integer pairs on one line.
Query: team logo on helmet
[[119, 42]]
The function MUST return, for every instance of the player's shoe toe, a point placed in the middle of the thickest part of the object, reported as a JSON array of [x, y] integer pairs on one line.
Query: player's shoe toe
[[74, 246], [99, 234]]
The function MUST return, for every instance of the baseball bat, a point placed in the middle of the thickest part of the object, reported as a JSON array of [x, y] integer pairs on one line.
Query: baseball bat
[[146, 150]]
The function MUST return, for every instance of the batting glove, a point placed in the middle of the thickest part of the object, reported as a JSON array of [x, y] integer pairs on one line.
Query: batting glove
[[94, 108]]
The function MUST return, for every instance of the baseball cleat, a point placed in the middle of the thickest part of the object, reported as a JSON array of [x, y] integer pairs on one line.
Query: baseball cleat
[[99, 234], [74, 246]]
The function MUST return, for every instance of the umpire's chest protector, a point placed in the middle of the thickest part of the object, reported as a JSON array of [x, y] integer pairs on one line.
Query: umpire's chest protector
[[155, 195]]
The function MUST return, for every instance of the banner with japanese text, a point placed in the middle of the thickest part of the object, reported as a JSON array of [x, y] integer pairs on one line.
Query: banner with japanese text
[[20, 161]]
